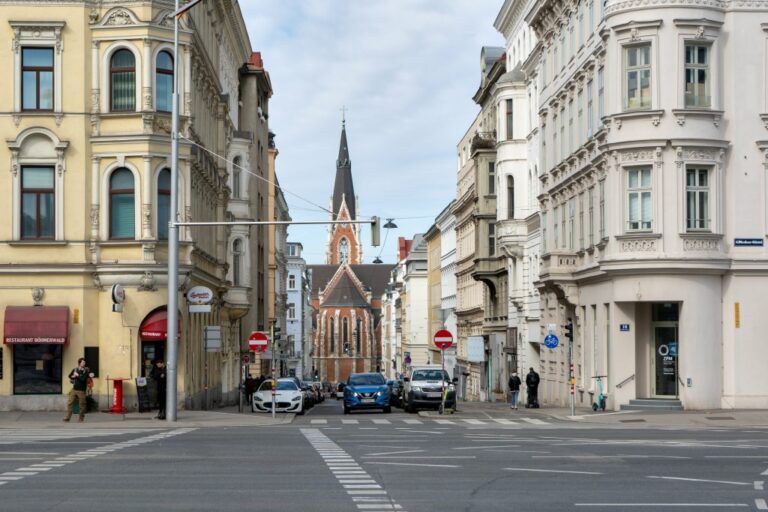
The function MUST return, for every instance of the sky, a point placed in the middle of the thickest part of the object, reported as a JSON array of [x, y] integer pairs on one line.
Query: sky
[[405, 70]]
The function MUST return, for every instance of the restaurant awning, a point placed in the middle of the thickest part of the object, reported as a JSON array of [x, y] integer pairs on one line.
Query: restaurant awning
[[155, 326], [36, 324]]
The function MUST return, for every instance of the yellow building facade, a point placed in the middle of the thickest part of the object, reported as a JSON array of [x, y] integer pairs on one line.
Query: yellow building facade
[[87, 187]]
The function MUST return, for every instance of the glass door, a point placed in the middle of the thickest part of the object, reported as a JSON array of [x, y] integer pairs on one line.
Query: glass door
[[665, 361]]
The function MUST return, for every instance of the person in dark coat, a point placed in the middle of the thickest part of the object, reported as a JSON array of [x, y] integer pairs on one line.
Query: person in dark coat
[[158, 375], [250, 387], [532, 381], [514, 390]]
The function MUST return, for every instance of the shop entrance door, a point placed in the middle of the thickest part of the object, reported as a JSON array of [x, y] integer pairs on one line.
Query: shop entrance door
[[665, 356]]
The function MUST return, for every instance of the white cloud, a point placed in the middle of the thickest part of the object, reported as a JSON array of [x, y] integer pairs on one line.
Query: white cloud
[[405, 69]]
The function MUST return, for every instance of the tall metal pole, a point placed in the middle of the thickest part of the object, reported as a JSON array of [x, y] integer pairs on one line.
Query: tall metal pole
[[274, 382], [571, 378], [173, 238]]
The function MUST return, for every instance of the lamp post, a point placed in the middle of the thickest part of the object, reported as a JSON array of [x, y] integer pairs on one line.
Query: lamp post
[[173, 228]]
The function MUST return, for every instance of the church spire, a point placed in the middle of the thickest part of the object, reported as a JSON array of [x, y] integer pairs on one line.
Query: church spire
[[343, 189]]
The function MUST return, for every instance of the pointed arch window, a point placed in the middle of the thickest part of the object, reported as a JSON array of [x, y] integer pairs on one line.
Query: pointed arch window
[[163, 203], [343, 251], [237, 262], [345, 335], [122, 206], [122, 76], [510, 197], [164, 82], [332, 338], [358, 335]]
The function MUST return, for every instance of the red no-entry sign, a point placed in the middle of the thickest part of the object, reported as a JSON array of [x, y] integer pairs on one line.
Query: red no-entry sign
[[443, 339], [257, 341]]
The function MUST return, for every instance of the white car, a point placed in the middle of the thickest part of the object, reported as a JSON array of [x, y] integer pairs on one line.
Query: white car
[[288, 397]]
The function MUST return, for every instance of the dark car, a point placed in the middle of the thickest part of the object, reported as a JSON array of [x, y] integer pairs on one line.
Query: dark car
[[366, 391], [395, 392]]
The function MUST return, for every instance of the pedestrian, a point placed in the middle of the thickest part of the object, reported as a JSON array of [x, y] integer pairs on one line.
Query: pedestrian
[[158, 375], [532, 381], [250, 387], [78, 377], [514, 390]]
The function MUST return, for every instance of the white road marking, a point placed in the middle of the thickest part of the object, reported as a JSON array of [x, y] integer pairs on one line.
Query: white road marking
[[411, 464], [721, 505], [554, 471], [698, 480], [505, 421], [319, 422], [413, 422], [486, 447], [444, 422], [358, 481], [474, 422], [535, 421], [392, 453], [381, 422], [761, 504], [350, 422], [351, 492], [426, 457], [361, 486], [764, 473], [759, 485]]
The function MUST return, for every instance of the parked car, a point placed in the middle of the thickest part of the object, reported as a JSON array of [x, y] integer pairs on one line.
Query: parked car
[[319, 392], [288, 397], [395, 392], [423, 388], [309, 395], [366, 391]]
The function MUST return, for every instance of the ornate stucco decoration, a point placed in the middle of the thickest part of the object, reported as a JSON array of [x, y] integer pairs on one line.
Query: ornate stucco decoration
[[120, 17], [37, 296]]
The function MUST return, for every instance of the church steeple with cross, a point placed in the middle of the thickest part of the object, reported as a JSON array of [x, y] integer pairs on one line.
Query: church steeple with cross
[[344, 239]]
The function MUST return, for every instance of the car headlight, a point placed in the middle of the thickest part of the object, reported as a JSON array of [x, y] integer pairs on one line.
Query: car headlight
[[416, 388], [379, 393], [258, 398], [356, 394], [296, 398]]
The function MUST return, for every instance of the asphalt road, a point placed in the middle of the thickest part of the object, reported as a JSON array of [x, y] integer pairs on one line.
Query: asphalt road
[[326, 461]]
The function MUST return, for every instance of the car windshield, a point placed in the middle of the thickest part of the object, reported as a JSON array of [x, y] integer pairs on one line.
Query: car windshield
[[282, 385], [429, 375], [366, 379]]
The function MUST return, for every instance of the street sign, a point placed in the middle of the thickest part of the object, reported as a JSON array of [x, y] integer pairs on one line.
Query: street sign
[[212, 336], [443, 339], [257, 341], [624, 327], [551, 341]]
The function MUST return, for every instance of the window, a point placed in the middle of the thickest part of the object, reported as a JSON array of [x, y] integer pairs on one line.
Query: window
[[637, 72], [601, 187], [510, 119], [555, 61], [543, 147], [571, 222], [491, 239], [291, 311], [555, 147], [544, 232], [570, 127], [163, 203], [600, 97], [571, 42], [563, 152], [236, 176], [332, 338], [122, 73], [562, 227], [343, 250], [345, 334], [358, 335], [510, 197], [164, 82], [697, 199], [554, 228], [37, 203], [237, 262], [544, 67], [697, 76], [37, 78], [122, 205], [592, 14], [592, 216], [581, 221], [491, 178], [291, 282], [580, 16], [639, 199], [590, 111], [37, 369], [563, 49], [580, 119]]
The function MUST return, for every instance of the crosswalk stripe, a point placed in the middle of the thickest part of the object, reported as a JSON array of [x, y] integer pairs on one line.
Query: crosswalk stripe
[[444, 422], [475, 422], [413, 422], [319, 422], [505, 421], [350, 422], [535, 421], [382, 422]]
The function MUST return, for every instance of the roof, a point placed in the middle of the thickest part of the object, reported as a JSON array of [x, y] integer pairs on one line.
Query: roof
[[516, 75], [374, 276], [343, 188], [345, 293]]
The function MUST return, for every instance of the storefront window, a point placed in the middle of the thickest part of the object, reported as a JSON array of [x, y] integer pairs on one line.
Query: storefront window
[[37, 369]]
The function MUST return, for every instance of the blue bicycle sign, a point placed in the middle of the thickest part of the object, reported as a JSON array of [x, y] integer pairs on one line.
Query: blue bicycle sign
[[551, 341]]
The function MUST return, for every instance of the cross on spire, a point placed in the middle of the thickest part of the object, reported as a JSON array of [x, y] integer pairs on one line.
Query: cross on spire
[[343, 114]]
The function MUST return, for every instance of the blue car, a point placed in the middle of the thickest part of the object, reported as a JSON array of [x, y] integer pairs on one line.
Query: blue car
[[366, 391]]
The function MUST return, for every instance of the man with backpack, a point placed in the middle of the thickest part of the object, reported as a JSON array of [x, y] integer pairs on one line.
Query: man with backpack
[[532, 381], [79, 378]]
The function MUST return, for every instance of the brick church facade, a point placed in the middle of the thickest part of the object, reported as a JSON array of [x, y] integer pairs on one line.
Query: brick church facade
[[346, 294]]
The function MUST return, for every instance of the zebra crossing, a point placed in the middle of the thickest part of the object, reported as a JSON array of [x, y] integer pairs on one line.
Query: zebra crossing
[[466, 422], [11, 436]]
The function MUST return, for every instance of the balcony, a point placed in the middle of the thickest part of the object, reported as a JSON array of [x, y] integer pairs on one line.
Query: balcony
[[483, 140], [512, 235], [490, 271], [558, 264], [236, 299]]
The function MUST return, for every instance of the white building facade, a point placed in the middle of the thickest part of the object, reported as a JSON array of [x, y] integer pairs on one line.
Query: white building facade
[[654, 172], [298, 314], [446, 223]]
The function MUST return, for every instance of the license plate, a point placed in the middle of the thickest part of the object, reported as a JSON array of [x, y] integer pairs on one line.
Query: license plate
[[434, 395], [367, 400]]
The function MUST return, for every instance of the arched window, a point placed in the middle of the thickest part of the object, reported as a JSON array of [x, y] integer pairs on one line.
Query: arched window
[[122, 76], [122, 206], [332, 338], [345, 335], [164, 82], [237, 261], [163, 203], [236, 178], [37, 202], [358, 336], [343, 250], [510, 197]]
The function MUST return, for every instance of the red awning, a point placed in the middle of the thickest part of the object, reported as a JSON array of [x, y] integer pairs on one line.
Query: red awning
[[36, 324], [155, 326]]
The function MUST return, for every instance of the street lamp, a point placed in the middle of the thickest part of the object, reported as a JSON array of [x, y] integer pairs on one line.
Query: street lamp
[[390, 224], [173, 228]]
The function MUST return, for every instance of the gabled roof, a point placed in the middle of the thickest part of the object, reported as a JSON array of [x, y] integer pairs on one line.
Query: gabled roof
[[373, 276], [344, 292]]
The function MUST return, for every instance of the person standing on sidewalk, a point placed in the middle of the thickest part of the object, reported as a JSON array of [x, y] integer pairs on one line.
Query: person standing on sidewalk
[[514, 390], [532, 381], [79, 379], [158, 375]]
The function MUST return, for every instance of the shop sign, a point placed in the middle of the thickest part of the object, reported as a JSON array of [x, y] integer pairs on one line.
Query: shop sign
[[199, 299], [476, 349], [748, 242]]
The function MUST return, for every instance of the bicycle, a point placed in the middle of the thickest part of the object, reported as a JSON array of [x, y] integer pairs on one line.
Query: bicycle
[[600, 402], [444, 398]]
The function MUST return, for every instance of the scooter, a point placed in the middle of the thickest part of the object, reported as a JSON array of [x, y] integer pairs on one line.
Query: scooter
[[600, 402]]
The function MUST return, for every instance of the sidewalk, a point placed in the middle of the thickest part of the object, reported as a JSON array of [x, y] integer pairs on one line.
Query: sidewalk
[[224, 417], [722, 418]]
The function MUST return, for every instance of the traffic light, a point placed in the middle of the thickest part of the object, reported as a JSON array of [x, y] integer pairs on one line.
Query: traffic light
[[569, 330], [375, 232]]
